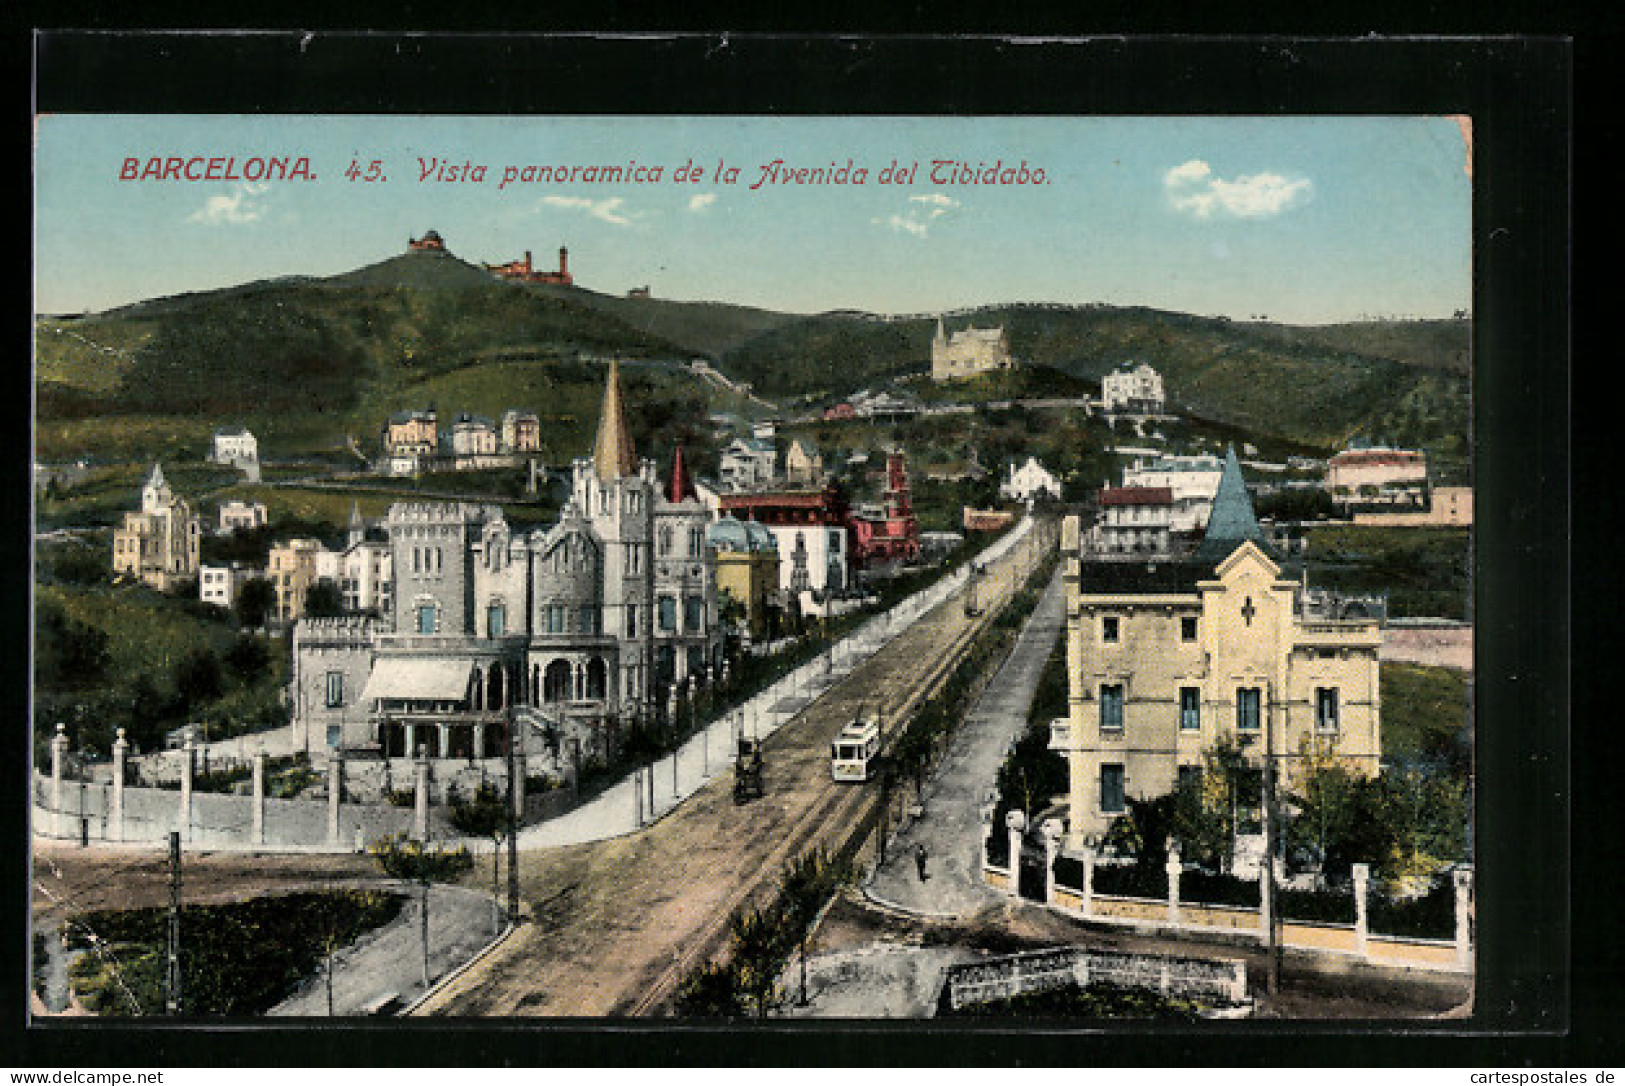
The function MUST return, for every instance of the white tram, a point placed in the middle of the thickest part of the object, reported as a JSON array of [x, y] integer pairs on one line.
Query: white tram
[[855, 754]]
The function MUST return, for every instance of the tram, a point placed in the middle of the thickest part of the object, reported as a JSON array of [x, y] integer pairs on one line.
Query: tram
[[855, 753]]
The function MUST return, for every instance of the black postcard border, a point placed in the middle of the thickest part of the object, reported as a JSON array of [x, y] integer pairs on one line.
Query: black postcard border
[[1518, 91]]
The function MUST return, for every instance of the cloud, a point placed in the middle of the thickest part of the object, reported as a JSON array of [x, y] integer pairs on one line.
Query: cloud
[[701, 200], [918, 220], [241, 205], [1193, 188], [606, 210]]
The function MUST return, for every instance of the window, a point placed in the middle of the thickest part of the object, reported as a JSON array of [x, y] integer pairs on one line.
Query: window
[[496, 620], [668, 613], [634, 558], [555, 618], [631, 620], [587, 619], [335, 689], [1187, 628], [426, 618], [1190, 708], [665, 541], [1247, 707], [696, 541], [693, 614], [1111, 788], [1111, 708], [1109, 627], [1326, 708]]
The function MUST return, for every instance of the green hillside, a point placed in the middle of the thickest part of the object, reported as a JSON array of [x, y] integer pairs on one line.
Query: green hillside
[[308, 363]]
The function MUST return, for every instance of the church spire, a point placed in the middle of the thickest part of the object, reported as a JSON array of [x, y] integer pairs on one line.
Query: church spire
[[612, 455]]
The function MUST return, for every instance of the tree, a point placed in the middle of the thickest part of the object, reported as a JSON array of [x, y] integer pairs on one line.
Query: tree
[[255, 601], [322, 600], [198, 678], [248, 658]]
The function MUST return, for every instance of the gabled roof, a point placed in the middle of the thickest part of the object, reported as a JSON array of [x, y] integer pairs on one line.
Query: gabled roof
[[1232, 521]]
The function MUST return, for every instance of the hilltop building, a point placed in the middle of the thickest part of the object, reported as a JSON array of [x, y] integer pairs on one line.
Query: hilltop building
[[431, 242], [1167, 659], [521, 432], [160, 544], [1132, 390], [237, 448], [803, 466], [566, 632], [522, 271], [968, 352]]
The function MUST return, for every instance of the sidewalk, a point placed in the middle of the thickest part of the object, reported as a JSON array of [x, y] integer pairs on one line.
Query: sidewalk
[[390, 959], [951, 827], [707, 754]]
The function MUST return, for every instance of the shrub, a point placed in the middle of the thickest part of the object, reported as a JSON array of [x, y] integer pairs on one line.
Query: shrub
[[403, 858]]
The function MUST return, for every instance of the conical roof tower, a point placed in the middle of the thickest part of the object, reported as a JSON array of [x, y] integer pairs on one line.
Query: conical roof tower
[[1232, 521], [681, 487], [613, 456]]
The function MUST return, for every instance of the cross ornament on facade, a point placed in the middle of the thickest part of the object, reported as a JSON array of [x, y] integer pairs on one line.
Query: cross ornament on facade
[[1248, 611]]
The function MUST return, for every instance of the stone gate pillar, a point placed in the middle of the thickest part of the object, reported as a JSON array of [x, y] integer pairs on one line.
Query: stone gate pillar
[[1463, 879], [519, 786], [59, 753], [1362, 883], [258, 811], [1266, 898], [188, 764], [1173, 868], [115, 816], [1051, 831], [1015, 822], [1088, 905], [420, 807]]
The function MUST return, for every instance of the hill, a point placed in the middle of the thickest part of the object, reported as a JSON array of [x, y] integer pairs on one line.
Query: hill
[[316, 359]]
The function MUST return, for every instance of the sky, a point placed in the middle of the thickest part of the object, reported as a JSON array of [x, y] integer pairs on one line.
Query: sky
[[1301, 220]]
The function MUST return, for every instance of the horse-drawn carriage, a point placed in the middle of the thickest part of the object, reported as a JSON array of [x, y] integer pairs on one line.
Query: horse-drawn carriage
[[748, 770]]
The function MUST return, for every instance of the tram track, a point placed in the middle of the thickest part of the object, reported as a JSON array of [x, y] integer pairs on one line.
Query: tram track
[[648, 908]]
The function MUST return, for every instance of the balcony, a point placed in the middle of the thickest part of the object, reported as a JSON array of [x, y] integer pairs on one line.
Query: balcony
[[1060, 734]]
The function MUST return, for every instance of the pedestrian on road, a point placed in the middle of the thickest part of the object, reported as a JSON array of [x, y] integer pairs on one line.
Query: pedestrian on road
[[919, 861]]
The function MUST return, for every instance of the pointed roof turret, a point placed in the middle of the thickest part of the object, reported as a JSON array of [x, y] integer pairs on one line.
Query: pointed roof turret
[[1232, 521], [681, 487], [156, 479], [613, 456]]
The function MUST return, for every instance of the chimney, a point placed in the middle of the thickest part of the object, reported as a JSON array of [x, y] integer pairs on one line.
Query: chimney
[[527, 261], [564, 261]]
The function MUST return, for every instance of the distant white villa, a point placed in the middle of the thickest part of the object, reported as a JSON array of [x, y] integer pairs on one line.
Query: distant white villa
[[1132, 390]]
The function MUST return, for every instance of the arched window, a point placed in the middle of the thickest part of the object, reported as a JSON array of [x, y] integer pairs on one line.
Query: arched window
[[556, 681], [597, 679], [496, 619], [494, 687]]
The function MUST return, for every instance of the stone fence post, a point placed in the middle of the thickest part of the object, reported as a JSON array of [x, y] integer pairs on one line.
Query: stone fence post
[[420, 806], [59, 754], [1172, 868], [188, 763], [1015, 822], [1051, 831], [1463, 878], [1362, 922], [115, 816]]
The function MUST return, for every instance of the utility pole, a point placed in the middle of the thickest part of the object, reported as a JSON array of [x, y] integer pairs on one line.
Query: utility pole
[[513, 819], [425, 883], [172, 983], [1273, 980]]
